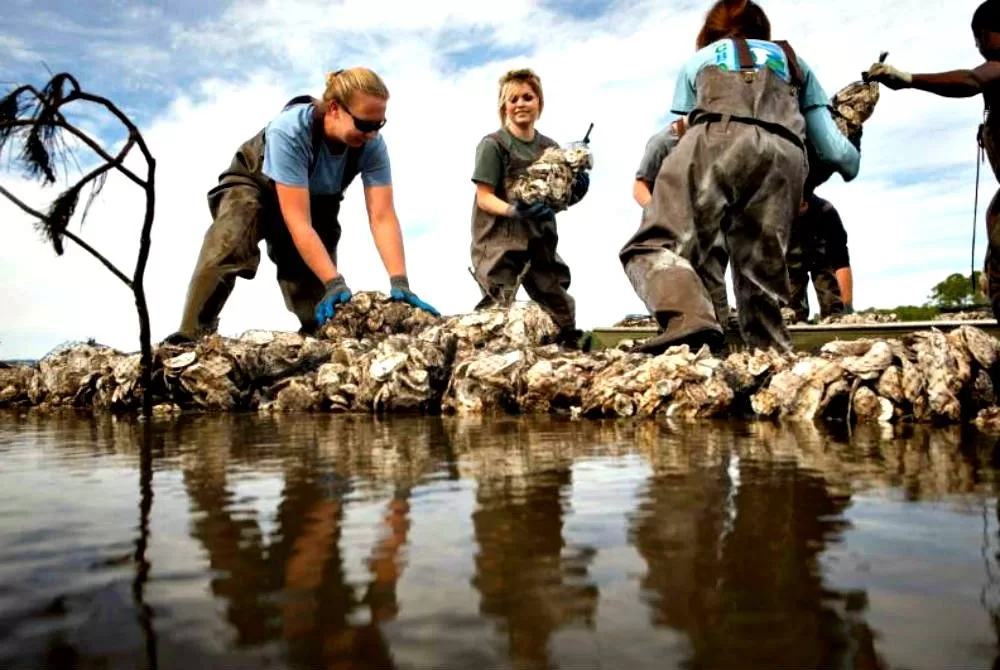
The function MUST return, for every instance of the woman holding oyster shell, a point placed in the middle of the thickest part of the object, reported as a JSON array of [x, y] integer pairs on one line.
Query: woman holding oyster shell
[[285, 186], [735, 179], [514, 239]]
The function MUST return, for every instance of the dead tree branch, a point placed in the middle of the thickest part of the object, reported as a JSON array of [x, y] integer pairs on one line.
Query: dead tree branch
[[36, 118]]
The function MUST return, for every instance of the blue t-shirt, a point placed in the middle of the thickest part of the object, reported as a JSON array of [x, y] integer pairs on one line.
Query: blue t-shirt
[[724, 55], [831, 145], [288, 152]]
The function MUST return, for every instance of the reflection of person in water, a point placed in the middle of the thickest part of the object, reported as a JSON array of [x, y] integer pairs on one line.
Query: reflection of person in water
[[295, 588], [744, 585], [521, 573]]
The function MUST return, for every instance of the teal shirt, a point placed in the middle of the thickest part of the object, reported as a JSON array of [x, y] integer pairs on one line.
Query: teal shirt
[[288, 151], [830, 144]]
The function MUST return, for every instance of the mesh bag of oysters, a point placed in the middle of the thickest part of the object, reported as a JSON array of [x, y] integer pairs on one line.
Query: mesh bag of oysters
[[851, 106], [550, 178]]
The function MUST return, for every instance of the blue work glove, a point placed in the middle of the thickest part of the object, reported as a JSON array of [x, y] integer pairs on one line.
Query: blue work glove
[[848, 309], [400, 290], [581, 184], [337, 293], [536, 211]]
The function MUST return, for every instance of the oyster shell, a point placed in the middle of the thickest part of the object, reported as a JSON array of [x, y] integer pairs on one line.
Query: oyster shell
[[940, 369], [14, 381], [371, 314], [853, 105], [498, 329], [293, 394], [501, 361], [550, 178], [405, 374]]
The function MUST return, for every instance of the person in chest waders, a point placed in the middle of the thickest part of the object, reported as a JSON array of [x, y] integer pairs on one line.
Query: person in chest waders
[[817, 248], [735, 179], [658, 147], [985, 80], [285, 186], [513, 242]]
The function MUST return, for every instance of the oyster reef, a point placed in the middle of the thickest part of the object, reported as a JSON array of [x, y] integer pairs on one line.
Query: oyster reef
[[383, 356]]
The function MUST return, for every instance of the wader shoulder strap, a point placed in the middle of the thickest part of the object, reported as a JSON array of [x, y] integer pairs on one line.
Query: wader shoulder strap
[[744, 57], [352, 166], [317, 128], [793, 62]]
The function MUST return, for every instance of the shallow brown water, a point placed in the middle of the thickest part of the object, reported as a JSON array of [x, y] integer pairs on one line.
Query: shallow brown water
[[319, 541]]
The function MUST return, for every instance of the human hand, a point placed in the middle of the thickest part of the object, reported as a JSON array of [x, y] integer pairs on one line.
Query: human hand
[[888, 75], [400, 290], [581, 184], [337, 293], [536, 211]]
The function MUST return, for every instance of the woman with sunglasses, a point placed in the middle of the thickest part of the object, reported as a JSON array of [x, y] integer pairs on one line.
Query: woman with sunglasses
[[284, 186], [512, 242]]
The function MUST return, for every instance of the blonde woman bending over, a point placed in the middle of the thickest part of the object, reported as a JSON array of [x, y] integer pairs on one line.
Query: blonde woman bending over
[[284, 186]]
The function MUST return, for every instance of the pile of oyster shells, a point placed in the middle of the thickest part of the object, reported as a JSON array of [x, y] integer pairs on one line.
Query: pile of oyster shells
[[383, 356], [550, 178]]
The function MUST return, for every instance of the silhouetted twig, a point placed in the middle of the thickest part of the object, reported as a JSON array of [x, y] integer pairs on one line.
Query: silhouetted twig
[[36, 119]]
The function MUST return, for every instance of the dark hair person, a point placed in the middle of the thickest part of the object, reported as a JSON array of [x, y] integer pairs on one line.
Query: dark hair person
[[982, 80], [737, 174]]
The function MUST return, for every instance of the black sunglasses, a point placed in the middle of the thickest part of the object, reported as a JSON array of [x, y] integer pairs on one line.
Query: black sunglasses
[[362, 125]]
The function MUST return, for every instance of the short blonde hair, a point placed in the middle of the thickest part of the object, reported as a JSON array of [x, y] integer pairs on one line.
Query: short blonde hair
[[514, 77], [341, 85]]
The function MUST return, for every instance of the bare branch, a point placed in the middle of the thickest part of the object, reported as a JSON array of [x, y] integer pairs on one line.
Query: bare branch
[[70, 235], [94, 146]]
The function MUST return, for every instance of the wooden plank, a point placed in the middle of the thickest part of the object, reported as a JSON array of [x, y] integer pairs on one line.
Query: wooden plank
[[805, 337]]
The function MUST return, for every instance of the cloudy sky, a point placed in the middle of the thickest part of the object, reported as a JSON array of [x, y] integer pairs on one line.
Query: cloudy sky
[[199, 77]]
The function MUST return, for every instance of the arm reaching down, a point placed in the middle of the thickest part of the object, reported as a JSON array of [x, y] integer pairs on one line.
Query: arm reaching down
[[388, 239], [385, 229], [294, 204]]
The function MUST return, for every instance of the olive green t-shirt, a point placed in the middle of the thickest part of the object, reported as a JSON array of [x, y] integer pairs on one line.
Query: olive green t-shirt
[[490, 160]]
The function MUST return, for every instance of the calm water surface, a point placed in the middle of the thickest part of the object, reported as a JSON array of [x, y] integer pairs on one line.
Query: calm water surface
[[333, 542]]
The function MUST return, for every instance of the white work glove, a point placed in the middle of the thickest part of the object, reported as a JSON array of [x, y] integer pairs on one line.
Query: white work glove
[[888, 75]]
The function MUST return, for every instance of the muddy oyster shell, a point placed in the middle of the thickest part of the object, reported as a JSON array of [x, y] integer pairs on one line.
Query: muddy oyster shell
[[68, 374], [853, 105], [14, 381], [371, 314], [498, 329], [550, 178], [404, 374]]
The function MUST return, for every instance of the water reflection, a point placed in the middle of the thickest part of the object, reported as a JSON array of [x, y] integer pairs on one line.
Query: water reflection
[[336, 542], [528, 579]]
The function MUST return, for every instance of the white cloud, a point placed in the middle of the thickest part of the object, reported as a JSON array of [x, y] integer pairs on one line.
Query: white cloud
[[617, 72]]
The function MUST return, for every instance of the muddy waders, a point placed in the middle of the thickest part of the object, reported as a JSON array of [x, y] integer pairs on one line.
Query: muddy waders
[[735, 179], [244, 208]]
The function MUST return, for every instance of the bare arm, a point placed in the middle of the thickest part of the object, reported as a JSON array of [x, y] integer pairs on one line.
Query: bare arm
[[385, 229], [294, 204], [487, 200], [959, 83], [846, 280], [641, 192]]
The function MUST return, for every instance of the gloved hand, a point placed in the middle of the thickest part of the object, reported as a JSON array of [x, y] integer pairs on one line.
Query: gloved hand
[[337, 293], [888, 75], [581, 184], [400, 290], [848, 308], [536, 211]]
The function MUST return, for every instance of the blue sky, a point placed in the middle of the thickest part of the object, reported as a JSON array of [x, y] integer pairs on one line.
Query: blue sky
[[201, 77]]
